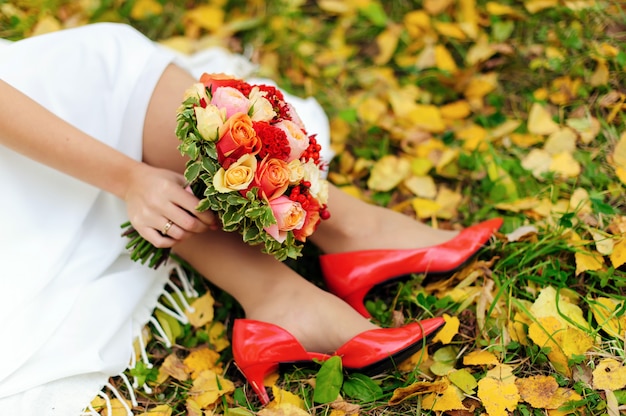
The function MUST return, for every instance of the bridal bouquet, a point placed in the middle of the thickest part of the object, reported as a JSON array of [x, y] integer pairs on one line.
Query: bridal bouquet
[[252, 162]]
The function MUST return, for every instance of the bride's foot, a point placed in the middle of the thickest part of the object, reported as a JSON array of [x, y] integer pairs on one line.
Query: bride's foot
[[320, 321]]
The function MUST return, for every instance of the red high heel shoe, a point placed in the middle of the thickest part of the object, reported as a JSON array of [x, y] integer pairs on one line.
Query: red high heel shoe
[[352, 275], [259, 348]]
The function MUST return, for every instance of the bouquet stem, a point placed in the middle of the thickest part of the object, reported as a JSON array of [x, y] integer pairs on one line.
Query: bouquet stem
[[142, 250]]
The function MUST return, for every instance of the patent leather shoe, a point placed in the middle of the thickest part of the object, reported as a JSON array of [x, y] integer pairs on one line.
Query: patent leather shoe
[[261, 348], [352, 275]]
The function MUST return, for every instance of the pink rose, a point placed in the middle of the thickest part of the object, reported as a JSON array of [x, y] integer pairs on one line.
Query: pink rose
[[237, 137], [298, 140], [272, 178], [230, 99], [289, 216]]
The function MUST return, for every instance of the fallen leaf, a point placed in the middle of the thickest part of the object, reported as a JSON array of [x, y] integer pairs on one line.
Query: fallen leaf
[[618, 256], [540, 121], [418, 388], [422, 186], [427, 117], [425, 208], [464, 380], [534, 6], [604, 311], [480, 357], [543, 392], [202, 312], [160, 410], [387, 42], [208, 17], [284, 398], [142, 9], [450, 399], [174, 367], [201, 360], [609, 374], [498, 392], [388, 172], [565, 165], [600, 75], [449, 330], [208, 387], [562, 140], [537, 161]]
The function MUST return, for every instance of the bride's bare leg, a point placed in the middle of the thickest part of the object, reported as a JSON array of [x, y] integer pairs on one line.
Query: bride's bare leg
[[358, 225], [269, 291]]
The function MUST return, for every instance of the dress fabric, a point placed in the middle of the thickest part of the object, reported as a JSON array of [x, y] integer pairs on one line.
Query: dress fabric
[[71, 300]]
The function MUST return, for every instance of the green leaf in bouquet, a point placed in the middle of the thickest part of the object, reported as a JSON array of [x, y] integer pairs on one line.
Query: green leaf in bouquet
[[232, 217], [192, 171], [251, 234], [208, 164], [203, 205], [236, 199]]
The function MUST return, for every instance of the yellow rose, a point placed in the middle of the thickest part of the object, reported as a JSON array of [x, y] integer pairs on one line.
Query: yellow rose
[[209, 121], [237, 177]]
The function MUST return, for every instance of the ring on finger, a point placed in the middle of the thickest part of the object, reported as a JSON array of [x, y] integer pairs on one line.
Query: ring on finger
[[167, 227]]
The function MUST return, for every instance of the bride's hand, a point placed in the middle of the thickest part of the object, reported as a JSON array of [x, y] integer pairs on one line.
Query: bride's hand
[[161, 210]]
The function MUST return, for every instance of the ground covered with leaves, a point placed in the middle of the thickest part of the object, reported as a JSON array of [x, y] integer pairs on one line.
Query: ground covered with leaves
[[450, 111]]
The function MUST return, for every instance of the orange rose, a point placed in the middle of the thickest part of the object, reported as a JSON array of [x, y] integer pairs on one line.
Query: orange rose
[[272, 178], [237, 138]]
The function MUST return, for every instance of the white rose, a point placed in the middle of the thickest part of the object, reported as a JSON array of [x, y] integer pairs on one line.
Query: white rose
[[319, 185], [262, 109]]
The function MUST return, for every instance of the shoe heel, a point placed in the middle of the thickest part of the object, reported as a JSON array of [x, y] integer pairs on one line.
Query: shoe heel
[[255, 374]]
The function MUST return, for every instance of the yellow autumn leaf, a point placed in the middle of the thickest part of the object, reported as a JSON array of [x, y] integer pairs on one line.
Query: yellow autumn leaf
[[208, 17], [562, 140], [564, 165], [457, 110], [143, 9], [388, 172], [449, 30], [449, 330], [467, 16], [46, 24], [428, 117], [481, 85], [202, 310], [450, 399], [498, 9], [480, 51], [585, 259], [618, 157], [372, 110], [444, 60], [540, 121], [587, 127], [601, 74], [543, 392], [474, 137], [609, 374], [518, 205], [160, 410], [421, 186], [180, 44], [208, 387], [401, 394], [200, 360], [498, 392], [604, 312], [285, 409], [387, 42], [414, 361], [449, 201], [284, 399], [480, 357], [550, 303], [417, 22], [534, 6], [618, 256], [218, 338], [537, 161], [425, 208], [447, 164], [434, 7], [525, 140], [118, 408], [174, 367], [580, 202]]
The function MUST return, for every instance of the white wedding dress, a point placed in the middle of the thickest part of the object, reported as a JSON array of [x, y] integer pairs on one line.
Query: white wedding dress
[[71, 300]]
